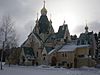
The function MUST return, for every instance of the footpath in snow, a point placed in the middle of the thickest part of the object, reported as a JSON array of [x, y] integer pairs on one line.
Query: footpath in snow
[[30, 70]]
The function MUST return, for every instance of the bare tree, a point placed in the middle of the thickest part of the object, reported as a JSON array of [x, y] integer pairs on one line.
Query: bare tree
[[8, 32], [8, 38]]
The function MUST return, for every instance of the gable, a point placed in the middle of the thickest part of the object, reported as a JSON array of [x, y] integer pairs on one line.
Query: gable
[[63, 31], [32, 38]]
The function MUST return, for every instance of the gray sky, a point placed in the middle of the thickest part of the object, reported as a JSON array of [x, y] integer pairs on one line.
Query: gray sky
[[74, 12]]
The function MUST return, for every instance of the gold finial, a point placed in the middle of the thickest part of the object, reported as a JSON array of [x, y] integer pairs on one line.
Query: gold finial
[[64, 22], [44, 3], [86, 27]]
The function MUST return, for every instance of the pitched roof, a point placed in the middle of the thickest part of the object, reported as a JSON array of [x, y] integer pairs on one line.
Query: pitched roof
[[37, 36], [70, 48], [85, 38], [43, 24], [52, 37], [55, 49], [60, 34], [48, 49], [22, 45], [61, 31]]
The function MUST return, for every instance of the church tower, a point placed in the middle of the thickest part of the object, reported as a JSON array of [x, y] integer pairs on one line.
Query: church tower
[[43, 26]]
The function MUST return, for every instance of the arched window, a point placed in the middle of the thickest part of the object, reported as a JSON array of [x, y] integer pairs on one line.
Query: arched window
[[44, 58]]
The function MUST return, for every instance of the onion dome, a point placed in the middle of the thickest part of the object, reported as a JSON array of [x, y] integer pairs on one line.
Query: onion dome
[[43, 10]]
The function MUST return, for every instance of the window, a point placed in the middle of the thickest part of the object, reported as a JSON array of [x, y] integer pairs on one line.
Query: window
[[65, 55], [44, 58], [62, 54]]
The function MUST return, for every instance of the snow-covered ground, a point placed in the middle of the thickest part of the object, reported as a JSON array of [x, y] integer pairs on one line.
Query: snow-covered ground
[[30, 70]]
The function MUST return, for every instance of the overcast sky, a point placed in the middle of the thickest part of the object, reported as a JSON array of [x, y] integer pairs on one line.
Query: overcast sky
[[74, 12]]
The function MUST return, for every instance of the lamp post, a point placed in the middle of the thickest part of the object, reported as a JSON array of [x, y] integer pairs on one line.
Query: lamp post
[[2, 55]]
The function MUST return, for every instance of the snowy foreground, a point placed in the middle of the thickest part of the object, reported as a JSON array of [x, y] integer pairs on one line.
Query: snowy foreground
[[30, 70]]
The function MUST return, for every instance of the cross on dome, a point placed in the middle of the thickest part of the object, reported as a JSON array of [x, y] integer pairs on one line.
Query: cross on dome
[[44, 3]]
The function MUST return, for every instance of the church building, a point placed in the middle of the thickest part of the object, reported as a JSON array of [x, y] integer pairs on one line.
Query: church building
[[43, 39], [55, 49]]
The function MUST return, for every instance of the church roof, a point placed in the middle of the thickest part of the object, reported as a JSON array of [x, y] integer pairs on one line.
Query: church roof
[[43, 24], [69, 48], [52, 37], [37, 36], [55, 49], [22, 45], [61, 31], [48, 49], [60, 34], [85, 38]]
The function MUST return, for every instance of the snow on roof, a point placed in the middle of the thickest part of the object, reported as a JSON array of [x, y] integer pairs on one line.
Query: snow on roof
[[81, 46], [55, 49], [66, 48], [51, 51]]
